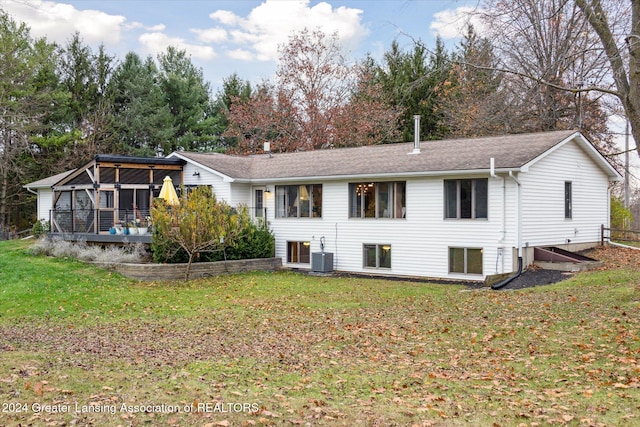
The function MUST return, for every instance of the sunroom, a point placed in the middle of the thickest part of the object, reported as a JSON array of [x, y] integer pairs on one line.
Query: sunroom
[[109, 199]]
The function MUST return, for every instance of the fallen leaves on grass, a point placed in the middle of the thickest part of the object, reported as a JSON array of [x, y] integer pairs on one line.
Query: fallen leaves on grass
[[562, 355]]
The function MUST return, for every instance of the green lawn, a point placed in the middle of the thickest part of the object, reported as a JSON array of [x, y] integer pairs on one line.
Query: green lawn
[[84, 346]]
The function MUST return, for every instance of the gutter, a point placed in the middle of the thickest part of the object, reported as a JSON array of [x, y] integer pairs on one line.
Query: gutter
[[370, 176]]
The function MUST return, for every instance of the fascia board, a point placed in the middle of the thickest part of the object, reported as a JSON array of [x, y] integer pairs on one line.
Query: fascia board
[[225, 178], [385, 176]]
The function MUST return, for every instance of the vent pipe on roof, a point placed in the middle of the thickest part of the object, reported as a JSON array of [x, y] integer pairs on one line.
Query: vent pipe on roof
[[267, 148], [416, 134]]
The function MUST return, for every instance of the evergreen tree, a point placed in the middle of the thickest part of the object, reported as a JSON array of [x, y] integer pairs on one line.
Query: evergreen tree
[[471, 98], [410, 80], [234, 89], [142, 117], [195, 122], [26, 74], [85, 76]]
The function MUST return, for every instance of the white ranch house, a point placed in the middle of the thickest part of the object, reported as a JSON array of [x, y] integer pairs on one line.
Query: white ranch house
[[453, 209]]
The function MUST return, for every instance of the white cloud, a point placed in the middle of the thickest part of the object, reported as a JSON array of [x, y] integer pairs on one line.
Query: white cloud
[[271, 23], [211, 35], [225, 17], [158, 42], [452, 23], [241, 54], [58, 21], [139, 25]]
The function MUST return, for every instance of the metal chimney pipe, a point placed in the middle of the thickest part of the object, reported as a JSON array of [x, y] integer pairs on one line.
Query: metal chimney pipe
[[416, 134]]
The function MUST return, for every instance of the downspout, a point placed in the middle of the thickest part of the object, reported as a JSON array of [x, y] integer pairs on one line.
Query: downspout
[[508, 280], [517, 274], [37, 202]]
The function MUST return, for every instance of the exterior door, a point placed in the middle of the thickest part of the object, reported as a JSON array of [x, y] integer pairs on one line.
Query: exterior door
[[258, 203]]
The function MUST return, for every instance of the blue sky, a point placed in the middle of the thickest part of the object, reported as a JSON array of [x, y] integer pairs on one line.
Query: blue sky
[[241, 36]]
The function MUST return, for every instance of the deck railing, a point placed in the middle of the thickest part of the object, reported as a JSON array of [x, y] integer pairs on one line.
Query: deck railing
[[95, 221]]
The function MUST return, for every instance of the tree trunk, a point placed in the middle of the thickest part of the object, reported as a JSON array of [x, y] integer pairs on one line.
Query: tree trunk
[[633, 98], [3, 203], [627, 87], [187, 273]]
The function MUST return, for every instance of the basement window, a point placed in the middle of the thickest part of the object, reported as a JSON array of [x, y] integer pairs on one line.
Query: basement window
[[465, 260], [377, 256], [299, 252]]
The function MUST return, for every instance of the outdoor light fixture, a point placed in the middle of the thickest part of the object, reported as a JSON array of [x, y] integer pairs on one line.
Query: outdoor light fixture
[[196, 173]]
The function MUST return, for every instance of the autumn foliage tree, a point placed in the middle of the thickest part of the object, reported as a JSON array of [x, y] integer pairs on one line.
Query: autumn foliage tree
[[317, 101], [202, 228], [471, 99], [554, 60], [198, 224]]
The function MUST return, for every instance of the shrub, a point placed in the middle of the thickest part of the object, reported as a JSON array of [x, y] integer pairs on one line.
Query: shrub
[[256, 241], [201, 228], [82, 251], [40, 228]]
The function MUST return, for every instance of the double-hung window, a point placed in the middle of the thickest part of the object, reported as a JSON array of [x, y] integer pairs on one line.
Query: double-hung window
[[465, 198], [377, 199], [299, 201]]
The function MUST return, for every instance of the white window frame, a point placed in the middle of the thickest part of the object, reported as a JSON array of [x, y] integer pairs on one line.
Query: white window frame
[[299, 247], [466, 260], [379, 253], [458, 201], [396, 209]]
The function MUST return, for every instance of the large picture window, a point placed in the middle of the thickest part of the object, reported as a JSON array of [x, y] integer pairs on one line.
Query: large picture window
[[299, 201], [465, 260], [377, 256], [377, 200], [465, 198]]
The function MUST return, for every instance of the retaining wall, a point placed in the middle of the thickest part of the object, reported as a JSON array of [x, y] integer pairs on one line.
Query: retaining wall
[[199, 269]]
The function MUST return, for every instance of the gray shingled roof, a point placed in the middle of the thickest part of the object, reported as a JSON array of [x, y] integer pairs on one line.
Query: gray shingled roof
[[50, 180], [509, 152]]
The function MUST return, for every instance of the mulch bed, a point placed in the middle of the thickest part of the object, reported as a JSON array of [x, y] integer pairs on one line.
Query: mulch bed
[[537, 277], [613, 257]]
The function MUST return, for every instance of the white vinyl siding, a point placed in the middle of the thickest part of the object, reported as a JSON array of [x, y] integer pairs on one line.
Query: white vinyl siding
[[543, 199], [45, 203], [420, 243]]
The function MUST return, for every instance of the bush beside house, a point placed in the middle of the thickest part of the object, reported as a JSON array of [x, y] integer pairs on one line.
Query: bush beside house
[[201, 228]]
